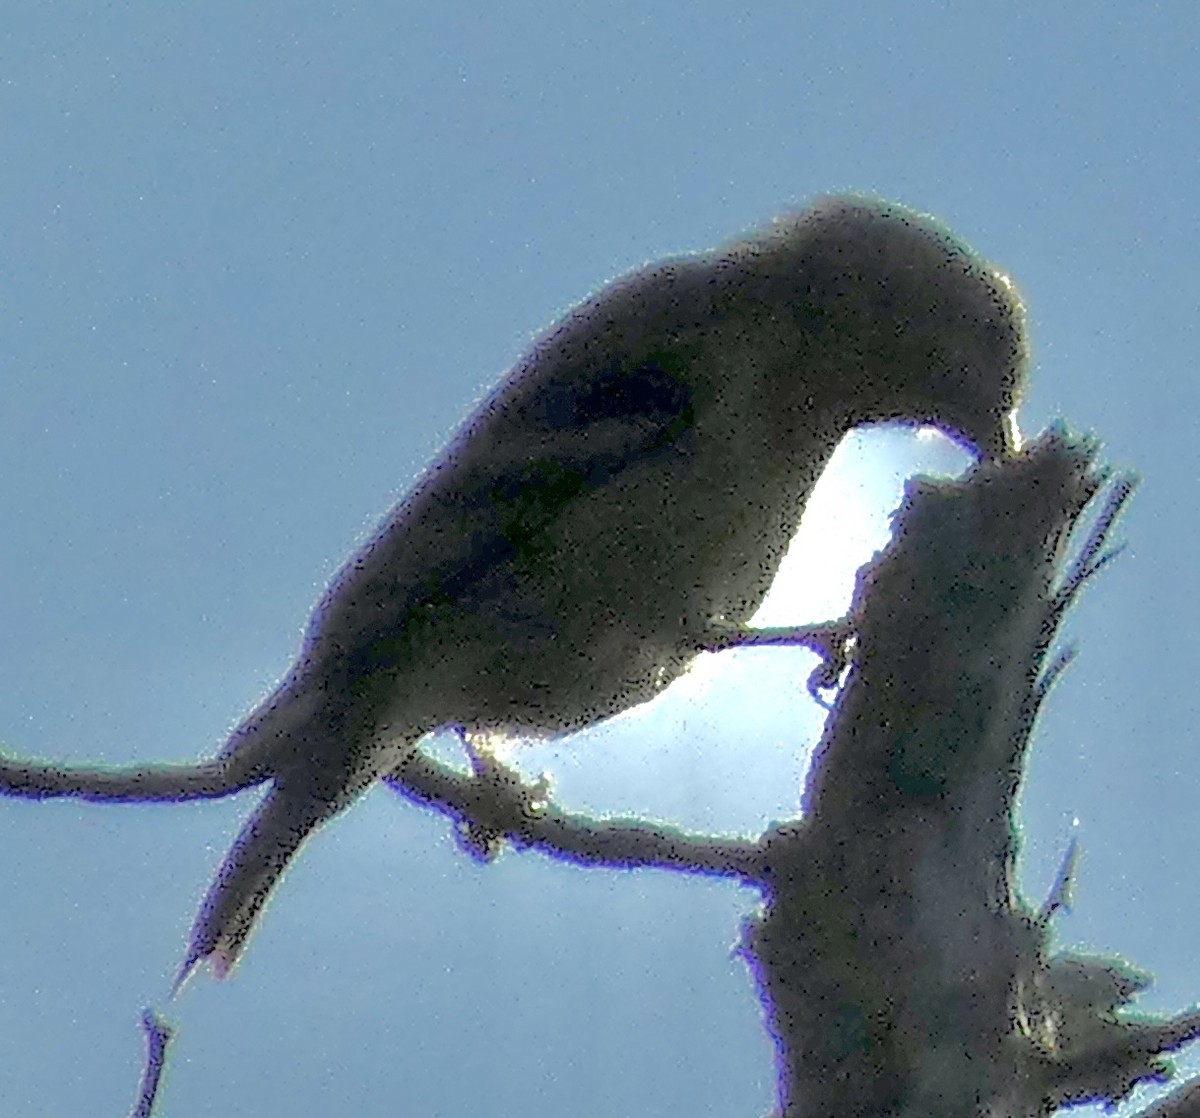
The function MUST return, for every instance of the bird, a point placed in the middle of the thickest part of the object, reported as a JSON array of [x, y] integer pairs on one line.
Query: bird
[[617, 505]]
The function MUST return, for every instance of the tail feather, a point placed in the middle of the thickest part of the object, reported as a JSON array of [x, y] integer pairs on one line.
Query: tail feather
[[301, 798], [267, 843]]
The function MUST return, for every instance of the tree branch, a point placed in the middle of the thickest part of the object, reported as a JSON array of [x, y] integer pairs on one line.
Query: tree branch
[[900, 971], [158, 1036], [494, 805]]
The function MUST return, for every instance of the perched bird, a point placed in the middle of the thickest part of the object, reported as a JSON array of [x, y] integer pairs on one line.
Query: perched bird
[[619, 503]]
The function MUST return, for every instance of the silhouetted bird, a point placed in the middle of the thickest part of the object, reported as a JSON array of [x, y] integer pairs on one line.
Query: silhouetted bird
[[619, 503]]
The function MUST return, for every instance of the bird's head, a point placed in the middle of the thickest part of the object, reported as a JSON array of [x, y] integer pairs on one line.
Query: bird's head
[[907, 323]]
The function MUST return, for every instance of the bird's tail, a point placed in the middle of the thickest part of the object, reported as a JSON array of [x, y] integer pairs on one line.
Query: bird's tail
[[267, 843], [297, 804]]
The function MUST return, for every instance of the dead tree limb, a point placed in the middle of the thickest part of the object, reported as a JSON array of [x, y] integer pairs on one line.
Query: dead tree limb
[[900, 971]]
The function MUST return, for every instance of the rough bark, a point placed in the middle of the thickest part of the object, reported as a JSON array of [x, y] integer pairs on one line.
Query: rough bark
[[900, 972]]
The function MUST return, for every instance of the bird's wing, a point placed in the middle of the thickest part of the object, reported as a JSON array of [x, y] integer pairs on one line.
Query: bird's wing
[[606, 393]]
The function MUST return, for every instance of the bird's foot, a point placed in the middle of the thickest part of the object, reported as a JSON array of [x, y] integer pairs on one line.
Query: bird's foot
[[501, 800], [833, 641]]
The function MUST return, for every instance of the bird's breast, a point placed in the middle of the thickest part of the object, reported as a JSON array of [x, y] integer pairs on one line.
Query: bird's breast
[[613, 603]]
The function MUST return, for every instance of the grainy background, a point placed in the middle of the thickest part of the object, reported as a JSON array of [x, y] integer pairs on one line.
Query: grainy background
[[256, 261]]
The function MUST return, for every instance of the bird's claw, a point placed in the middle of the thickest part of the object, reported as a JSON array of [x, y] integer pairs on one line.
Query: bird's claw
[[501, 798], [833, 641]]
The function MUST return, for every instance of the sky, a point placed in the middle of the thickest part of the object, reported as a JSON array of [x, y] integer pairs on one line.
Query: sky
[[258, 261]]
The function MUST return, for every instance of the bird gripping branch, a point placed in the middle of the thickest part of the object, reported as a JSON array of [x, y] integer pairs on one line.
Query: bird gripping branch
[[620, 502]]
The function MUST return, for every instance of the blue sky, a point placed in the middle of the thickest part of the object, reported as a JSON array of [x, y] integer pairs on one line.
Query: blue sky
[[259, 260]]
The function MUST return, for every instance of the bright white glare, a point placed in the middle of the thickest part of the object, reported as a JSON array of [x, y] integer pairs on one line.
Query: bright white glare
[[718, 747], [845, 523], [847, 520]]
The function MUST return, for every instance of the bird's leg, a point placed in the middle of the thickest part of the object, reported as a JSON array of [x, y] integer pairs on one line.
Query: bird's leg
[[831, 640], [826, 638]]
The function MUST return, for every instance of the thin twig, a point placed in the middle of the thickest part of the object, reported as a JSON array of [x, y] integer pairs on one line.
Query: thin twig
[[1090, 560], [158, 1036]]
